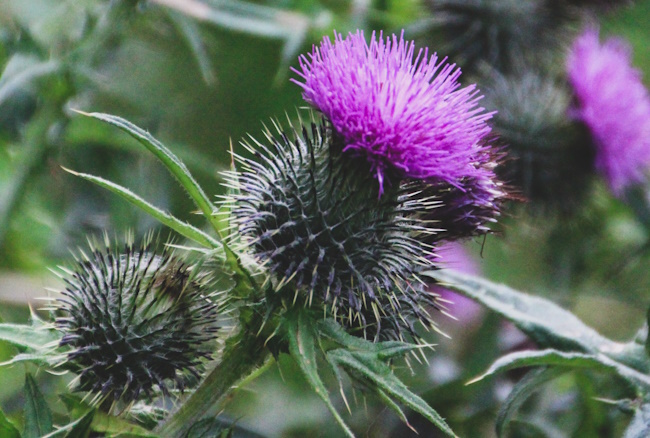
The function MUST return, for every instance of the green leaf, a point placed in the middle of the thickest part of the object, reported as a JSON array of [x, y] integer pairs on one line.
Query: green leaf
[[210, 428], [46, 359], [182, 228], [639, 427], [378, 374], [569, 360], [101, 421], [191, 32], [38, 417], [521, 392], [79, 428], [385, 350], [369, 360], [549, 325], [7, 429], [33, 337], [21, 72], [169, 160], [302, 347]]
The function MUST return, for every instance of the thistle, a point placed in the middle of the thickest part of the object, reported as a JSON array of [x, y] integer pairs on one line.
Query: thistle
[[134, 321], [309, 213], [406, 114], [614, 105]]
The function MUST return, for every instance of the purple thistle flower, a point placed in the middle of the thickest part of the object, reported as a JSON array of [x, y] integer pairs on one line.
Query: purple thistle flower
[[406, 114], [614, 105]]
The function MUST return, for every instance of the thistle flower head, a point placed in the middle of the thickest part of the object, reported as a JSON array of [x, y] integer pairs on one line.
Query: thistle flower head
[[134, 321], [404, 112], [614, 105], [310, 214]]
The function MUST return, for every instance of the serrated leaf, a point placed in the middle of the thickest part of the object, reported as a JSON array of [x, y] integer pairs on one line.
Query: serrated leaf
[[521, 392], [182, 228], [569, 360], [101, 421], [302, 347], [38, 417], [549, 325], [7, 429], [639, 427], [33, 337], [385, 350], [378, 373]]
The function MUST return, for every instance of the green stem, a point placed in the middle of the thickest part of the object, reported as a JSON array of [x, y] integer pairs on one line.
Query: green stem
[[244, 354]]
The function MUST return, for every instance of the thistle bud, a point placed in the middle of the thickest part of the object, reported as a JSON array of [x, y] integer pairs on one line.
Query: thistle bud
[[310, 214], [134, 321], [499, 33], [551, 158]]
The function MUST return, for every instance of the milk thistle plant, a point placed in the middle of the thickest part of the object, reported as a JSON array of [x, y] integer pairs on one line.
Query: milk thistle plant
[[328, 236]]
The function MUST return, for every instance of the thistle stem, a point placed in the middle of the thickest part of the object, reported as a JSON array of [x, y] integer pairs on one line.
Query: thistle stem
[[244, 354]]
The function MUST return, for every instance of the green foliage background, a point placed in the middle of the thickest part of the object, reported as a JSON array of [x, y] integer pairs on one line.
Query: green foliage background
[[200, 81]]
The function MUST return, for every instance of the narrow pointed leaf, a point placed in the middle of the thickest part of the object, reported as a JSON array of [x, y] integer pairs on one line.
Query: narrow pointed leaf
[[38, 417], [549, 325], [182, 228], [567, 360], [378, 374], [521, 392], [190, 31], [302, 347], [45, 359], [169, 160], [7, 429], [26, 336]]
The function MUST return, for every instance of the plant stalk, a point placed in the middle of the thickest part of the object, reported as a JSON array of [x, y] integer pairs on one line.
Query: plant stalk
[[243, 355]]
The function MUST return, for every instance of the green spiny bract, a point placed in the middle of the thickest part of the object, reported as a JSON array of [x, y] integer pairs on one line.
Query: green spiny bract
[[134, 320], [311, 214]]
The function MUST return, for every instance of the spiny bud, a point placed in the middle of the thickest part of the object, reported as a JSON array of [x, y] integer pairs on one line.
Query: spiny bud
[[311, 214], [552, 161], [134, 321]]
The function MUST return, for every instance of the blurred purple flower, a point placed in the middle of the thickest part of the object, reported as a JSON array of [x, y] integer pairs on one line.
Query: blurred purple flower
[[406, 114], [614, 105], [454, 256]]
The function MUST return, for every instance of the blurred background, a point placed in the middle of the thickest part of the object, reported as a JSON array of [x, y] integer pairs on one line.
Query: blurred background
[[202, 74]]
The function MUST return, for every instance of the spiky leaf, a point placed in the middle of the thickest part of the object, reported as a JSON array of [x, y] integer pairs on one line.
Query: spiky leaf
[[302, 347]]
